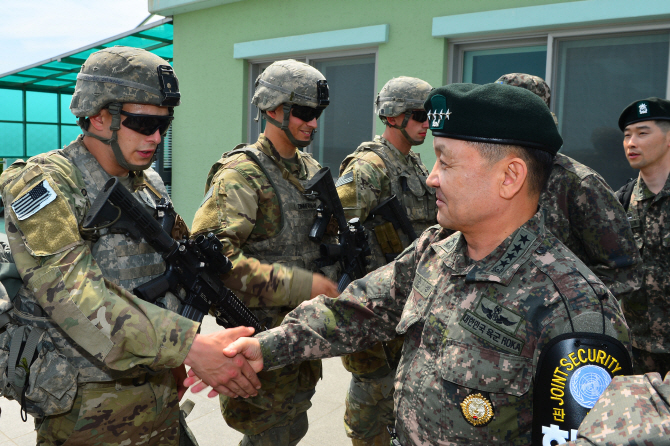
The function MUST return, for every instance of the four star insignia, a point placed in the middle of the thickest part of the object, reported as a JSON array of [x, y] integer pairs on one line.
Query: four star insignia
[[437, 117]]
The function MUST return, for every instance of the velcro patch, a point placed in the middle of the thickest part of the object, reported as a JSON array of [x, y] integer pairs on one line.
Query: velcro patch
[[423, 286], [34, 200], [345, 179], [208, 195], [490, 333]]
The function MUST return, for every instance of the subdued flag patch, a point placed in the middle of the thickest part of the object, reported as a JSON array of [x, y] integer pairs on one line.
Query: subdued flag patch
[[36, 198]]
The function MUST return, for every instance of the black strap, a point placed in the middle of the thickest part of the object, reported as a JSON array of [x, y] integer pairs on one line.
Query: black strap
[[624, 194]]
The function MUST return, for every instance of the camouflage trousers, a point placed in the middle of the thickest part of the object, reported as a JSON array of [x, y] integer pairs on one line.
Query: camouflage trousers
[[284, 395], [646, 362], [369, 406], [117, 413]]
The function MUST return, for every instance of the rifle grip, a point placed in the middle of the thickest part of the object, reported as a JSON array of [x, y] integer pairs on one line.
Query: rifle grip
[[153, 289]]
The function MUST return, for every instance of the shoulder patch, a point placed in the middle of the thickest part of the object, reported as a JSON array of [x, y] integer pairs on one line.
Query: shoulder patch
[[345, 179], [34, 200]]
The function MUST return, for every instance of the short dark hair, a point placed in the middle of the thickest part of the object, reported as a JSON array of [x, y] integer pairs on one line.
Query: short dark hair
[[663, 124], [539, 162]]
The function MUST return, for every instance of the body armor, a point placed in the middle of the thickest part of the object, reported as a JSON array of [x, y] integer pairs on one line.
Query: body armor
[[408, 183], [125, 262]]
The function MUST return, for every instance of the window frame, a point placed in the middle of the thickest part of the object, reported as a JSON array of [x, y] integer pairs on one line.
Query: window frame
[[254, 65], [458, 46]]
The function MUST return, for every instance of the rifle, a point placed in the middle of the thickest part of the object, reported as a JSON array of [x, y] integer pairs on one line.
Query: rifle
[[352, 246], [192, 267], [396, 218]]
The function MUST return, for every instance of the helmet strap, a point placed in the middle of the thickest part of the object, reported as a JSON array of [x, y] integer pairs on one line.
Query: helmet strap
[[401, 127], [114, 110], [284, 127]]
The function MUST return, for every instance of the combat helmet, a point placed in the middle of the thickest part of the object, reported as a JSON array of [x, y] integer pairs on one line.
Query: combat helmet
[[531, 83], [289, 83], [113, 76], [402, 95]]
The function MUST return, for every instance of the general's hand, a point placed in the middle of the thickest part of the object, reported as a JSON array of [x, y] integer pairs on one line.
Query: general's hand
[[248, 348], [179, 374], [323, 285], [229, 376]]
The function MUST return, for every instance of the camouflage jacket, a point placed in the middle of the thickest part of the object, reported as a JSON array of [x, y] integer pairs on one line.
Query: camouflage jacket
[[63, 278], [633, 410], [582, 211], [648, 309], [451, 310], [243, 208], [374, 172]]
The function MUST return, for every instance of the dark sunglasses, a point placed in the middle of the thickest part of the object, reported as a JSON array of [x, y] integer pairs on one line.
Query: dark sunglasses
[[420, 115], [147, 124], [306, 113]]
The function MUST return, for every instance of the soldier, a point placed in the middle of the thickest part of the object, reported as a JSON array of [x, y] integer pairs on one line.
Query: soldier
[[646, 143], [480, 309], [254, 203], [377, 170], [634, 409], [583, 213], [119, 349]]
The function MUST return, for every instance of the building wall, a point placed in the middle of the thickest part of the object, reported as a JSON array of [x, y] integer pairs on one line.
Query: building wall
[[213, 116]]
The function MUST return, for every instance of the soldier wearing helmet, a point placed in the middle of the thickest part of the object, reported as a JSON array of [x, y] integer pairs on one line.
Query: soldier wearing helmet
[[116, 351], [254, 202], [583, 213], [377, 170]]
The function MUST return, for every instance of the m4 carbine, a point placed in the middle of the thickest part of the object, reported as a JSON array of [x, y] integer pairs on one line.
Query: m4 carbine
[[352, 247], [192, 267]]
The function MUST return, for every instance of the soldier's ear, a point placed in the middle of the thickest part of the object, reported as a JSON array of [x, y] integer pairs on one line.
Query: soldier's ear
[[392, 120], [515, 175], [97, 121]]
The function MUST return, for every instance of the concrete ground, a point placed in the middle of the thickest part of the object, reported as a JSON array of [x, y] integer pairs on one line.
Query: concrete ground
[[325, 417]]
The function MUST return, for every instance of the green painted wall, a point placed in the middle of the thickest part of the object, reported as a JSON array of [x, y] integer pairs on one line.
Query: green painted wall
[[212, 117]]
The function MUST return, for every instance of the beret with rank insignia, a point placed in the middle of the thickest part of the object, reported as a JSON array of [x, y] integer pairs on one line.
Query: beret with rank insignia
[[492, 113], [650, 109]]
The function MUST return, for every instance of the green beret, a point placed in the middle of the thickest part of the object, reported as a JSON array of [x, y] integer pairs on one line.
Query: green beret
[[493, 113], [650, 109]]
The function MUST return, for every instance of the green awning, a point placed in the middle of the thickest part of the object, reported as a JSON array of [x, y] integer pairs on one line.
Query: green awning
[[59, 74]]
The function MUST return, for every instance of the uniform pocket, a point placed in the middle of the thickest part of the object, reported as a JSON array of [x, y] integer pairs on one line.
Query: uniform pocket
[[41, 379], [485, 369]]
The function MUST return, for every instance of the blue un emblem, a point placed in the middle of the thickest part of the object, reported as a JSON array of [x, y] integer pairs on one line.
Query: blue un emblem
[[588, 383]]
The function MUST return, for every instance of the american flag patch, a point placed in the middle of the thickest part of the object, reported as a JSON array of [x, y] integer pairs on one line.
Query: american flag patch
[[38, 197]]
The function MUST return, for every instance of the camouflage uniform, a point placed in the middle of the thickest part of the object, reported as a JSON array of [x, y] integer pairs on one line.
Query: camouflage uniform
[[583, 213], [581, 210], [374, 172], [76, 289], [253, 204], [450, 309], [648, 309], [633, 410]]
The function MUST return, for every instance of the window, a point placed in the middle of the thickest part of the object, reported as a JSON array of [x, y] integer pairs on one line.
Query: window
[[593, 75], [348, 120], [34, 122]]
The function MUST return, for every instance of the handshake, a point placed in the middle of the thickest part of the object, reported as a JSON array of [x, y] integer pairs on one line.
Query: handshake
[[226, 360]]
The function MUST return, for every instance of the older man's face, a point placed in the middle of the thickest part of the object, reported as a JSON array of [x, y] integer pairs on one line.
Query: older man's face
[[466, 190]]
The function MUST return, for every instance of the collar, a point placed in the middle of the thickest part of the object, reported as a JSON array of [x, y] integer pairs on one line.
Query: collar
[[502, 263], [641, 191], [393, 151], [298, 168]]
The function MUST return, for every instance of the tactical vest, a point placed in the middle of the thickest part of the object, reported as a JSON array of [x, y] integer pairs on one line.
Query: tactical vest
[[408, 183], [122, 260], [291, 246]]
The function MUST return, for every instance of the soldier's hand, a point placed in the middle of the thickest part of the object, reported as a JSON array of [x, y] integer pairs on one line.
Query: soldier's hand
[[323, 285], [179, 374], [229, 376]]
